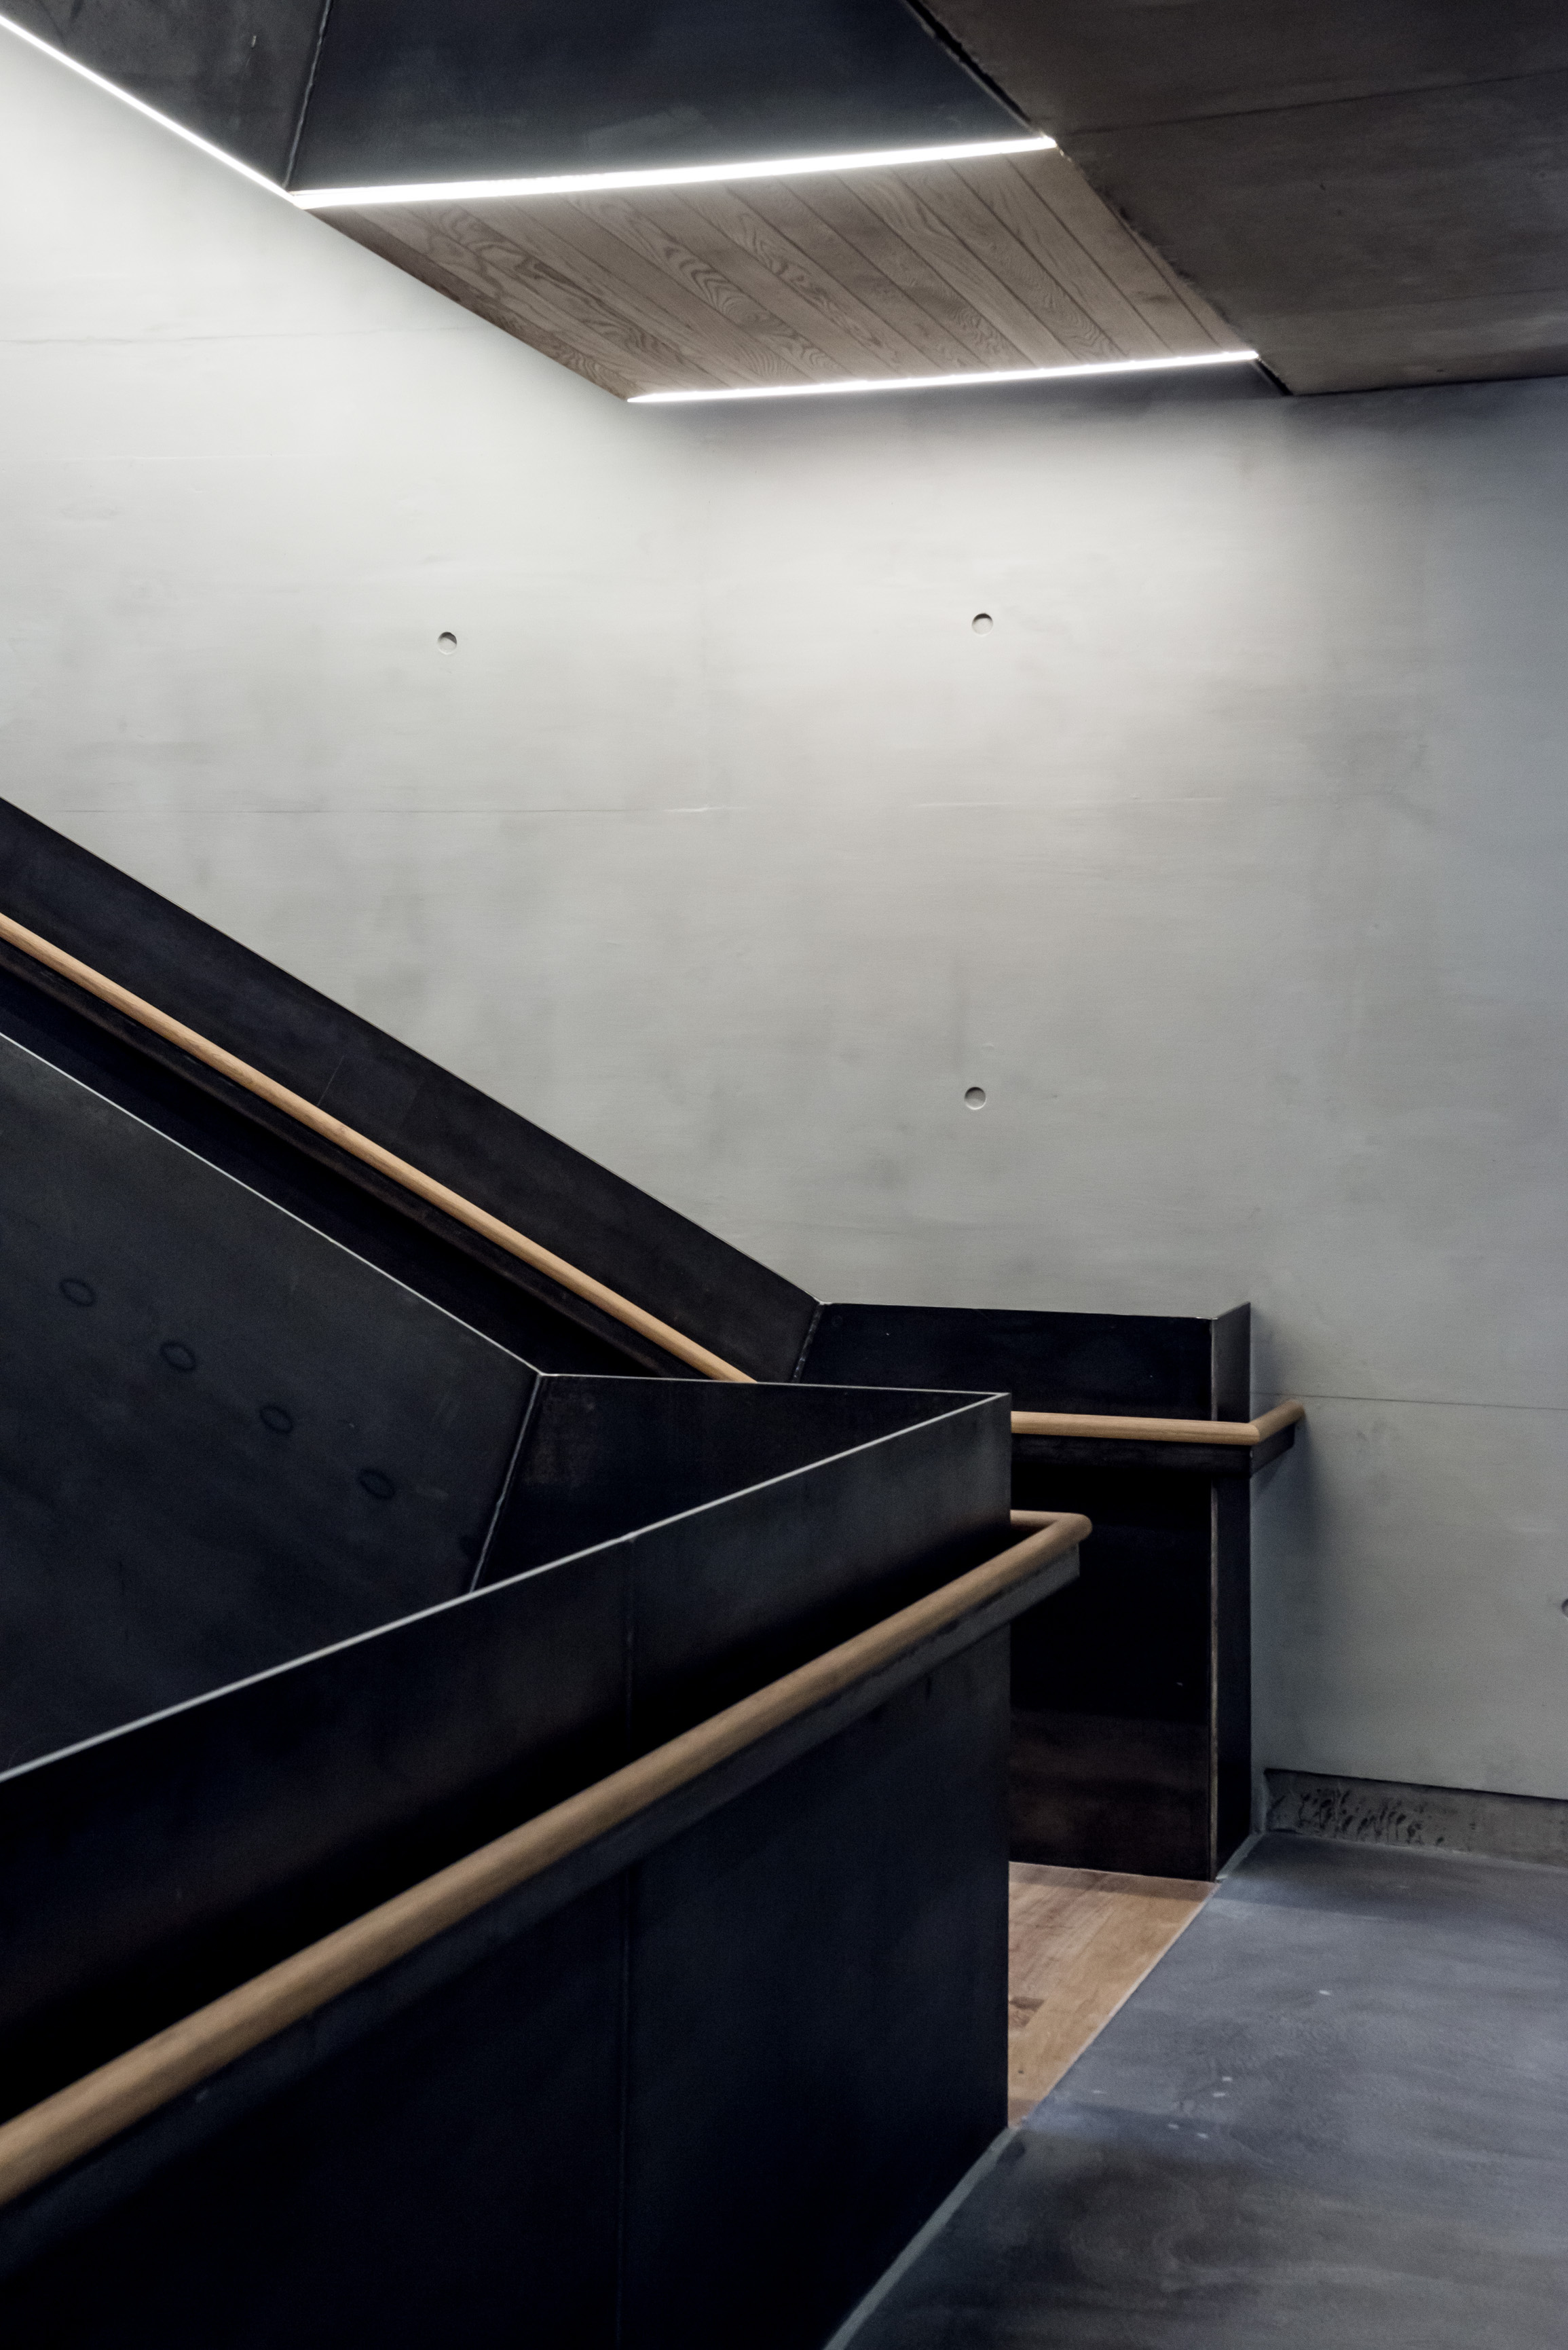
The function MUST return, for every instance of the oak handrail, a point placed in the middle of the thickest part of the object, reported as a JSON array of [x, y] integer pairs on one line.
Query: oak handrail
[[515, 1243], [63, 2127], [1160, 1431], [358, 1145]]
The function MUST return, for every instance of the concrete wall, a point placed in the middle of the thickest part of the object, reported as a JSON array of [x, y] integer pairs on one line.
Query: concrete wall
[[1230, 861]]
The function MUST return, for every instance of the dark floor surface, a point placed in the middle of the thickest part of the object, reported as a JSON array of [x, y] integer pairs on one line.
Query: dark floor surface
[[1335, 2117]]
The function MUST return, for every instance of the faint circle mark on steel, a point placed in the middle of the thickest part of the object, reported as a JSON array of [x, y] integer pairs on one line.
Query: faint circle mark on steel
[[446, 642], [177, 1354], [376, 1483], [975, 1098], [274, 1416], [77, 1292], [982, 624]]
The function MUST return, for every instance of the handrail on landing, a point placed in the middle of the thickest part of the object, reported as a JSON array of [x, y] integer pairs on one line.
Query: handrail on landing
[[1160, 1431]]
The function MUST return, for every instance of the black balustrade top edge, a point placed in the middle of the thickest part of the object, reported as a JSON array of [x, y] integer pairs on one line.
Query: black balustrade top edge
[[513, 1170], [1183, 1367], [946, 1406]]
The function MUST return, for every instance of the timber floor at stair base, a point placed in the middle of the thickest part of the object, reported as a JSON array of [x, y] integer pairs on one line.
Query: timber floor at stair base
[[1080, 1940], [1333, 2117]]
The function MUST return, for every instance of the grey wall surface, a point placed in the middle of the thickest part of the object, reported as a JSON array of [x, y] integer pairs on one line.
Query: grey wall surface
[[1230, 861]]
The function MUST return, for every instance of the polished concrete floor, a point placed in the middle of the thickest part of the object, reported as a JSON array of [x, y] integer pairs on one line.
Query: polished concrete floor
[[1334, 2116]]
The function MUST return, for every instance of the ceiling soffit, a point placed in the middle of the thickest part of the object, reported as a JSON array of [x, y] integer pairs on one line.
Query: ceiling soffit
[[1372, 194], [1005, 263], [491, 88], [988, 265]]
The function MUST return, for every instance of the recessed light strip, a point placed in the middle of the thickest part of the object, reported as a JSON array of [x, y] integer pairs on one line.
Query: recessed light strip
[[675, 175], [165, 121], [947, 383]]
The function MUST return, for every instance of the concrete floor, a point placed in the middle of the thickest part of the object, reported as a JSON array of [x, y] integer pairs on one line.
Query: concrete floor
[[1334, 2116]]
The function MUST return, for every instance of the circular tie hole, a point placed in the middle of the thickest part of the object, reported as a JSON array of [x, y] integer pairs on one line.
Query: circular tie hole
[[377, 1484], [177, 1354], [274, 1416], [982, 624], [975, 1098], [77, 1292], [446, 642]]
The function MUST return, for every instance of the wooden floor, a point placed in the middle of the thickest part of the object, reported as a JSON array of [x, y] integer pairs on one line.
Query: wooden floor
[[1080, 1939]]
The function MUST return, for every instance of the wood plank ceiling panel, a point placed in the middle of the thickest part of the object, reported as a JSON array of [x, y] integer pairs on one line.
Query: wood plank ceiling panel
[[936, 269]]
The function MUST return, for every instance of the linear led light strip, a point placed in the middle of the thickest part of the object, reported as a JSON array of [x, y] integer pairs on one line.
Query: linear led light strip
[[564, 183], [689, 175], [165, 121], [675, 175], [942, 382]]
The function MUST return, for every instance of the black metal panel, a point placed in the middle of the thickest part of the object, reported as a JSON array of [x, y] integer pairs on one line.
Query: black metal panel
[[735, 1593], [73, 2199], [604, 1456], [449, 1129], [1112, 1682], [816, 1995], [445, 1263], [151, 1870], [1145, 1364], [818, 2021], [1230, 1360], [1232, 1688], [226, 1440], [1132, 1694], [823, 1555], [237, 76], [452, 2174], [480, 88], [1233, 1463], [148, 1871], [1132, 1636], [1111, 1791]]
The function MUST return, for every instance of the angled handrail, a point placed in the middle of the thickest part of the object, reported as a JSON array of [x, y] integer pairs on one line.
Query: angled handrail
[[358, 1145], [1160, 1431], [568, 1276], [62, 2128]]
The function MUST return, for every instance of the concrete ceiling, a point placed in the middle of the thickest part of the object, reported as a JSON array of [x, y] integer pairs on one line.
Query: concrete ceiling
[[1370, 191]]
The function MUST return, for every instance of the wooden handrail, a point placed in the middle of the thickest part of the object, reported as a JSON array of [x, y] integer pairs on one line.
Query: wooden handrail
[[358, 1145], [1159, 1432], [515, 1243], [64, 2127]]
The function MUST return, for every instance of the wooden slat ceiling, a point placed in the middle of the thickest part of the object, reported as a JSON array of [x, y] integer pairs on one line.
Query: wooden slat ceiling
[[940, 269]]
